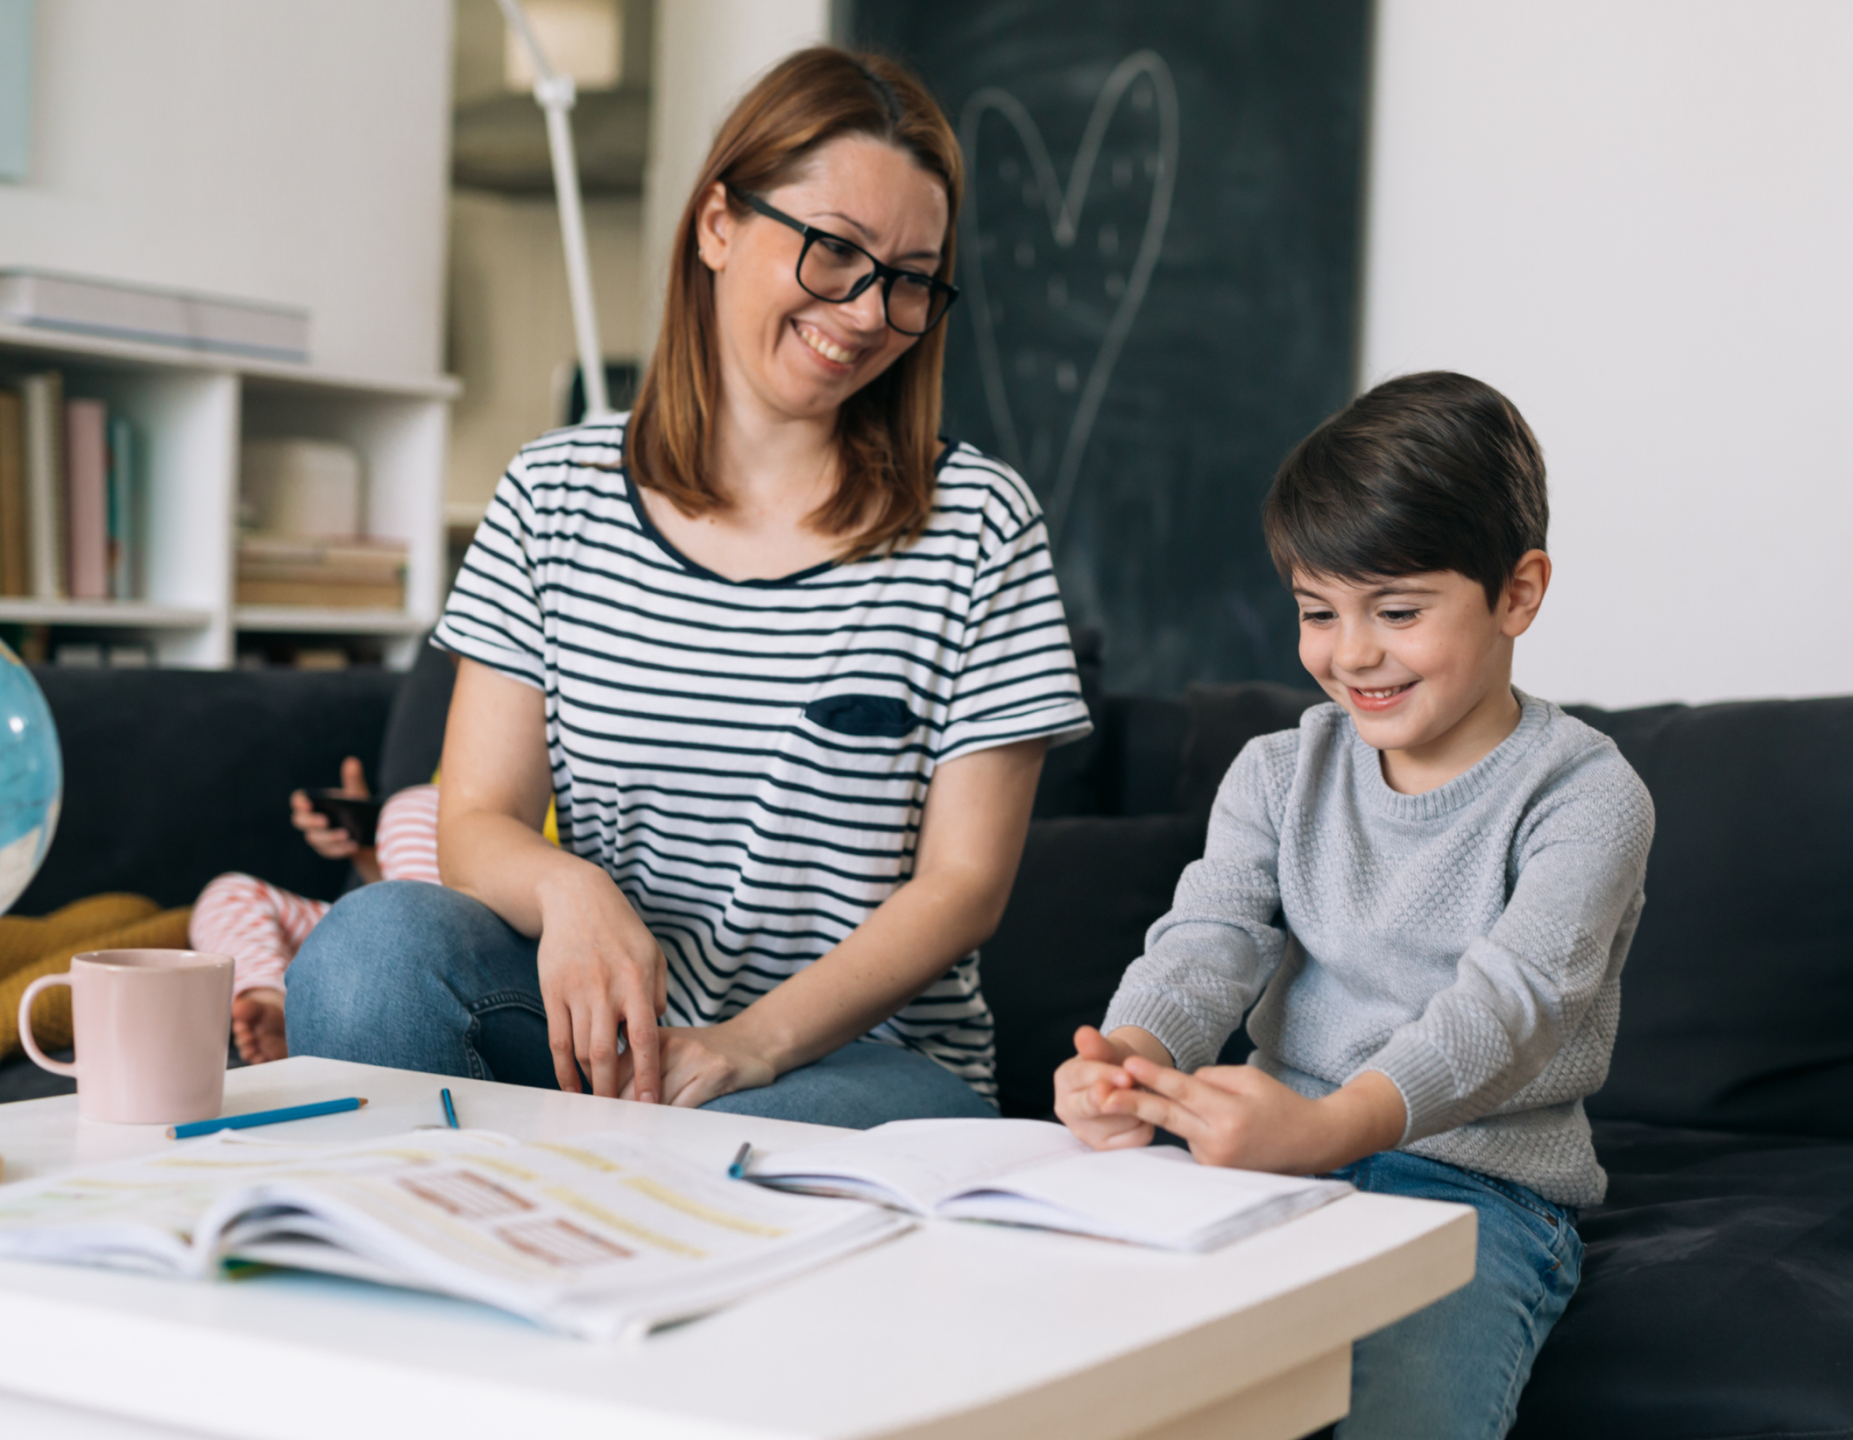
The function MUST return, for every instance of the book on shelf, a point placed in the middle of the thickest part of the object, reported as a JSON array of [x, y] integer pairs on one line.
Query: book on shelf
[[123, 582], [86, 448], [67, 495], [14, 575], [1037, 1174], [42, 429], [344, 574], [600, 1237]]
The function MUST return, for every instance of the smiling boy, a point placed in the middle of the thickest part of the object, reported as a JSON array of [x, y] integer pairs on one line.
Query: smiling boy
[[1429, 887]]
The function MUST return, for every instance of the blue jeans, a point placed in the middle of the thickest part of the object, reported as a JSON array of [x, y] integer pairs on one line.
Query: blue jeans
[[423, 978], [1454, 1371]]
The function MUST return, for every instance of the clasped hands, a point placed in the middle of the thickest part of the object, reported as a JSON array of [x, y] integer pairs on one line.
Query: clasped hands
[[1119, 1088], [601, 970]]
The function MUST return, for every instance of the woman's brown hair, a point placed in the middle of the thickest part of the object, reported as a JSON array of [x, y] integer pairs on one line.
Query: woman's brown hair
[[888, 431]]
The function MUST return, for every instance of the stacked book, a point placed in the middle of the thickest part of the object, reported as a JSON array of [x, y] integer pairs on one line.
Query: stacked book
[[346, 574], [67, 495], [212, 323]]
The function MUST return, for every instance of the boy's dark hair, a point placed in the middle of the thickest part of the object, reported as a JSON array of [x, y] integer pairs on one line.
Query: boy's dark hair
[[1426, 472]]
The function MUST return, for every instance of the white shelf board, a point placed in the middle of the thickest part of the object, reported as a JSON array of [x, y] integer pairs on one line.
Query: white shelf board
[[331, 620], [126, 614], [279, 374]]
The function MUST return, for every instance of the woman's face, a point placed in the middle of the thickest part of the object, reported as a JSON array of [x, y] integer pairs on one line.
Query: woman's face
[[789, 352]]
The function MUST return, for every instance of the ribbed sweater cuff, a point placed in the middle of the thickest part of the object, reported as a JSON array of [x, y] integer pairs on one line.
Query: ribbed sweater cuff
[[1425, 1079], [1177, 1030]]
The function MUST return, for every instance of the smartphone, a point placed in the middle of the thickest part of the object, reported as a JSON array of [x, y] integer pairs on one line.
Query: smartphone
[[360, 818]]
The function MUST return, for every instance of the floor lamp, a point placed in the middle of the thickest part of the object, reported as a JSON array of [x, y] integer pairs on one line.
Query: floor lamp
[[555, 93]]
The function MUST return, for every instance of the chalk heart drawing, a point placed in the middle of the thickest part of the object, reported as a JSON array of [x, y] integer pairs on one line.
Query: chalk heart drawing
[[1064, 207]]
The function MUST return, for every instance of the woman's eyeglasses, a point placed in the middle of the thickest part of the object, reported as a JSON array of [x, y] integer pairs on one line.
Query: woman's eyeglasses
[[839, 270]]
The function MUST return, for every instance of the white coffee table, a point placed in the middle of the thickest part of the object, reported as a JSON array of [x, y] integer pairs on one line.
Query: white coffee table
[[950, 1331]]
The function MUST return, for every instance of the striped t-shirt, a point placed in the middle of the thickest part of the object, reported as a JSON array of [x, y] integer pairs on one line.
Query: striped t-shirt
[[749, 759]]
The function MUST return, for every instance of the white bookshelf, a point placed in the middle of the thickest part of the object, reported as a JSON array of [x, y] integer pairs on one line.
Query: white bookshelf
[[190, 412]]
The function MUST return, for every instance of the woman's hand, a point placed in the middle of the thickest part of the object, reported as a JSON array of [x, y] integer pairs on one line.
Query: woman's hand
[[327, 840], [1241, 1116], [1097, 1071], [704, 1064], [600, 968]]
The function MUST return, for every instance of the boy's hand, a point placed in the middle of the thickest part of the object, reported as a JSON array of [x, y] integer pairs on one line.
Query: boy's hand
[[1096, 1072], [324, 838], [1240, 1116]]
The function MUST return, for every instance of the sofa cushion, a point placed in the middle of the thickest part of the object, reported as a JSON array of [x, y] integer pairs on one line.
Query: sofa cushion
[[414, 740], [1224, 718], [1737, 1000], [1087, 891], [174, 776], [1072, 773], [1143, 737], [1717, 1294]]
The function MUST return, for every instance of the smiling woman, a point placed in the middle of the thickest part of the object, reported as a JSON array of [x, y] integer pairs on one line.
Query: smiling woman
[[785, 661]]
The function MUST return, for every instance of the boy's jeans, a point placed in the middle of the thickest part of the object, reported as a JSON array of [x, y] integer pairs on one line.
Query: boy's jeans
[[1454, 1370]]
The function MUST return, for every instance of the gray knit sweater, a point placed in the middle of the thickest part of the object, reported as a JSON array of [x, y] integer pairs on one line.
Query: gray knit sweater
[[1467, 942]]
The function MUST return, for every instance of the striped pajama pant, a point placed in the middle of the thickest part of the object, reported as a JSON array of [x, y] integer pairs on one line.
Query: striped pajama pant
[[262, 926]]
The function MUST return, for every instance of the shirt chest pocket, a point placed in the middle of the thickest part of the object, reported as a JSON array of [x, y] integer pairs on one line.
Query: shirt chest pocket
[[884, 716]]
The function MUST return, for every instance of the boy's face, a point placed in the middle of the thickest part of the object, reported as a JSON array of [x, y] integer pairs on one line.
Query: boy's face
[[1418, 661]]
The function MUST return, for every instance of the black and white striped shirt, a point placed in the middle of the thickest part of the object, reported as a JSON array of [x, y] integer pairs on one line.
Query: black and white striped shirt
[[749, 759]]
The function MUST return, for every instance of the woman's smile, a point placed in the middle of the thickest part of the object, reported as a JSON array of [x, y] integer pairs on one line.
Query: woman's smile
[[839, 358]]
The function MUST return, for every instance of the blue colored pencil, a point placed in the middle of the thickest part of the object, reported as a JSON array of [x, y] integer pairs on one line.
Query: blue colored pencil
[[450, 1110], [263, 1117]]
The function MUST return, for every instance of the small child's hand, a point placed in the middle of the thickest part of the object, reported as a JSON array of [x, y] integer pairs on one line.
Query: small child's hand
[[1241, 1116], [1083, 1083], [328, 840], [257, 1026]]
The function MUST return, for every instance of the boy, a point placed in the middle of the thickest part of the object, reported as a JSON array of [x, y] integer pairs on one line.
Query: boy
[[1431, 886]]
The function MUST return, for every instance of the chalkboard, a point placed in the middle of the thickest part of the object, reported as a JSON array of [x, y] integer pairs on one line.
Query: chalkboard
[[1159, 253]]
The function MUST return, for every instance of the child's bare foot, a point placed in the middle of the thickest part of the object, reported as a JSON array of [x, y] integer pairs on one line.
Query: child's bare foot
[[257, 1026]]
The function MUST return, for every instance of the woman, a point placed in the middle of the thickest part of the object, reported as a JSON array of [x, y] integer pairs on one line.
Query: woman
[[787, 663]]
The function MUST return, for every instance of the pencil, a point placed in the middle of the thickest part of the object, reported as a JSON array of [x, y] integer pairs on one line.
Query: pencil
[[737, 1170], [263, 1117], [450, 1110]]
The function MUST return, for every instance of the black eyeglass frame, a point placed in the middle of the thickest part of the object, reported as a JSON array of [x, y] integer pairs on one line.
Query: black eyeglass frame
[[887, 274]]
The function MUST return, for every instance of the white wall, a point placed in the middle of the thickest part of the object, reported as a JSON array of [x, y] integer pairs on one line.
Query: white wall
[[708, 53], [269, 149], [1635, 217]]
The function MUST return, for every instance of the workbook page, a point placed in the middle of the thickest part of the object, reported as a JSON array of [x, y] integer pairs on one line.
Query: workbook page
[[918, 1163], [600, 1237], [1155, 1195], [597, 1237]]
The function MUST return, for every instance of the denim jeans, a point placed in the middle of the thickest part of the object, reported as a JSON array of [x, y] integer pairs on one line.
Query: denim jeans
[[423, 978], [1454, 1371]]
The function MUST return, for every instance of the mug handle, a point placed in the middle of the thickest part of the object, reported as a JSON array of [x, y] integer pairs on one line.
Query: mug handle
[[39, 1057]]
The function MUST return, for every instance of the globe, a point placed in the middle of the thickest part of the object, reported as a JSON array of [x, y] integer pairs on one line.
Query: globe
[[31, 778]]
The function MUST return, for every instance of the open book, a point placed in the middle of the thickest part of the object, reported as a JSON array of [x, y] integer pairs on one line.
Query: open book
[[1029, 1172], [599, 1237]]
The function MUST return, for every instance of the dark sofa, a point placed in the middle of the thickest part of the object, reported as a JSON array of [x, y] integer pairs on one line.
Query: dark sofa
[[1717, 1298]]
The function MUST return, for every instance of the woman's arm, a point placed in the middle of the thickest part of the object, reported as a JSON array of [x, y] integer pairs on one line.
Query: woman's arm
[[599, 965], [971, 839]]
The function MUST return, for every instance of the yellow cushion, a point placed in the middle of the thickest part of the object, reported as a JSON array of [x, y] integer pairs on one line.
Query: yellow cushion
[[103, 922]]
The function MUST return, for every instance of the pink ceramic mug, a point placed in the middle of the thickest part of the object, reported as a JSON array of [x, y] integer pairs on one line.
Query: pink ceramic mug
[[151, 1029]]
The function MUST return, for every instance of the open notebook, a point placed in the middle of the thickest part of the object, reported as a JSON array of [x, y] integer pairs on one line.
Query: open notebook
[[1029, 1172], [601, 1237]]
